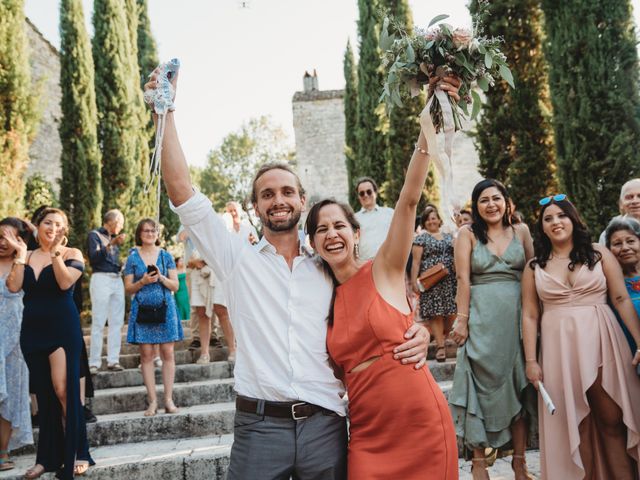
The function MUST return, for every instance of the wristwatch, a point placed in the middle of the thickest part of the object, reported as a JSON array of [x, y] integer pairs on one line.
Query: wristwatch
[[55, 254]]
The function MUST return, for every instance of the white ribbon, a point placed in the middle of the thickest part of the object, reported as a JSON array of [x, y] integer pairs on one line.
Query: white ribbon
[[546, 399]]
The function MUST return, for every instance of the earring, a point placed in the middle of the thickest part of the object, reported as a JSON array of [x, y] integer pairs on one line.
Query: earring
[[356, 250], [64, 242]]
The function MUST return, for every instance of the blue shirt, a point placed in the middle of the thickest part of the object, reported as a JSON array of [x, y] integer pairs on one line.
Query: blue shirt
[[104, 258]]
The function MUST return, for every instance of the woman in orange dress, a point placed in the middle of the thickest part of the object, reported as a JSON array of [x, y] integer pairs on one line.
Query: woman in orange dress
[[400, 424], [584, 361]]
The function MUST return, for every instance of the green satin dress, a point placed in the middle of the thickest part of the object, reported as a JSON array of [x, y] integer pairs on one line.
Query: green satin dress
[[490, 389]]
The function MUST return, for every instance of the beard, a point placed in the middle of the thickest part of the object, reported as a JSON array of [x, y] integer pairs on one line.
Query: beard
[[280, 226]]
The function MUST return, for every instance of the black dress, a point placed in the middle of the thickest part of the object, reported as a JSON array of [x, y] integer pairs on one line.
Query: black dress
[[51, 321]]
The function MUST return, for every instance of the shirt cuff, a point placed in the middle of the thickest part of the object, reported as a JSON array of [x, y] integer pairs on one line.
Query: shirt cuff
[[193, 210]]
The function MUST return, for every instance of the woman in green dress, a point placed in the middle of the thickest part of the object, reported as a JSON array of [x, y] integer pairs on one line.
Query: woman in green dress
[[491, 399], [182, 295]]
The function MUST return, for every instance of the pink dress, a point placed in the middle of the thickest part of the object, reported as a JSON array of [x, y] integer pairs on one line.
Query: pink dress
[[580, 335]]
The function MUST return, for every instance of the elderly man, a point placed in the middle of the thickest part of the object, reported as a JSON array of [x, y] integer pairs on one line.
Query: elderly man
[[374, 219], [106, 290], [629, 203]]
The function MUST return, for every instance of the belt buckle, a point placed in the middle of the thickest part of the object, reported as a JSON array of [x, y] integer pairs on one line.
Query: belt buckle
[[293, 411]]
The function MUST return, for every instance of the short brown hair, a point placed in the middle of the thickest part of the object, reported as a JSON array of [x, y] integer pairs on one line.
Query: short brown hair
[[273, 166], [367, 179], [428, 211], [141, 224]]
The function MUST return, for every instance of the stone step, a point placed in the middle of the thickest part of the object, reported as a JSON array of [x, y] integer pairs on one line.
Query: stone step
[[182, 459], [132, 360], [450, 349], [87, 330], [131, 399], [189, 372], [129, 348]]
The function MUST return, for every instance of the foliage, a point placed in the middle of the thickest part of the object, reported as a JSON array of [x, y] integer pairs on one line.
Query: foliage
[[351, 120], [37, 192], [231, 166], [593, 78], [411, 59], [513, 134], [80, 187], [18, 112]]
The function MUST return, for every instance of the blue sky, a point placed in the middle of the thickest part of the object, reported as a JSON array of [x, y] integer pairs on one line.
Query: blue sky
[[239, 63]]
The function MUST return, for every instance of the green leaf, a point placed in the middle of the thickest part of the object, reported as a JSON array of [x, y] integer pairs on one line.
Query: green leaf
[[430, 44], [488, 60], [386, 40], [506, 74], [483, 83], [411, 54], [482, 49], [477, 103], [437, 19]]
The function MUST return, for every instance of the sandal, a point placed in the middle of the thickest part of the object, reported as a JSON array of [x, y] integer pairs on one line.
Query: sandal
[[80, 468], [6, 463], [34, 472], [170, 407], [483, 466], [441, 354], [527, 475], [152, 409], [203, 360]]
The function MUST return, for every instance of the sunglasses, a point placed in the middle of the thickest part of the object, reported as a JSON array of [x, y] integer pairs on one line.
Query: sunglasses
[[364, 193], [556, 198]]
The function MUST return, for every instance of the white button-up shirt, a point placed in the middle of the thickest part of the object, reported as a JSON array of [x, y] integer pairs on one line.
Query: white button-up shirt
[[279, 315], [374, 226]]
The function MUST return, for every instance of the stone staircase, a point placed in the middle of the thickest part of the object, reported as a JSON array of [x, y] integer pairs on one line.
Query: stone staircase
[[193, 444]]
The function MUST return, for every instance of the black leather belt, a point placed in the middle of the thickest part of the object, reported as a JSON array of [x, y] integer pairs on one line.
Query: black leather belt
[[293, 410]]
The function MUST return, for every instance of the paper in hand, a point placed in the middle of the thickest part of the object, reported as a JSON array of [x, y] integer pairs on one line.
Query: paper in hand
[[546, 399]]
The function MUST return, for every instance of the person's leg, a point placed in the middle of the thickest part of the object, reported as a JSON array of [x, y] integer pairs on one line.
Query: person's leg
[[5, 436], [479, 465], [519, 439], [321, 448], [205, 332], [116, 320], [99, 313], [611, 429], [437, 327], [58, 365], [223, 317], [264, 448], [149, 377], [168, 375]]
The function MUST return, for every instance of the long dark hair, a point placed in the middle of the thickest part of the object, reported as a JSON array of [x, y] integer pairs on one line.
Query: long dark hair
[[311, 226], [582, 251], [479, 226], [21, 227]]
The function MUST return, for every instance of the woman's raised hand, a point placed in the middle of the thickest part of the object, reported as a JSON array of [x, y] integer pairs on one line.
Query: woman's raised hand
[[15, 242], [152, 84], [449, 84]]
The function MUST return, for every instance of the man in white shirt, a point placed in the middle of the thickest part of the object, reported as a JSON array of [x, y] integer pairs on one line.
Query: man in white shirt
[[629, 204], [374, 219], [290, 407]]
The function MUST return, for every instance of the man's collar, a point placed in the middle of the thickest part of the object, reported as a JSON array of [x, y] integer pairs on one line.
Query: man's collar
[[375, 208], [263, 244]]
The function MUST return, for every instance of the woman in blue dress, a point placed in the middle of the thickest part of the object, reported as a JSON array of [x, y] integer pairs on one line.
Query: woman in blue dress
[[151, 277], [51, 342]]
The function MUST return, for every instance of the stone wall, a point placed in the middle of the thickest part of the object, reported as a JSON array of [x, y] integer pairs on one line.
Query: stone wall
[[46, 149], [318, 123]]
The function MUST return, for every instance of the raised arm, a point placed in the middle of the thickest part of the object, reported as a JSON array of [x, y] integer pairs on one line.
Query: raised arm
[[66, 276], [530, 321], [175, 171], [16, 275]]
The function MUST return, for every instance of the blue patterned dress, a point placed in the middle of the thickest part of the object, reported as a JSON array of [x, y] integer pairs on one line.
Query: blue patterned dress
[[14, 375], [152, 294]]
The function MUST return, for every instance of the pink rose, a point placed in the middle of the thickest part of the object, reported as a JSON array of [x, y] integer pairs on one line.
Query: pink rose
[[461, 37]]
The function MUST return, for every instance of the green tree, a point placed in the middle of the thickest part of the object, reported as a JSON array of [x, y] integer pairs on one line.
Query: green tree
[[370, 155], [351, 120], [593, 78], [37, 192], [513, 134], [231, 167], [80, 187], [18, 116]]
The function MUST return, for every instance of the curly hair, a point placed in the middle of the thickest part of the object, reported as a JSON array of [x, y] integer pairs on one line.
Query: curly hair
[[582, 251], [479, 226], [628, 224]]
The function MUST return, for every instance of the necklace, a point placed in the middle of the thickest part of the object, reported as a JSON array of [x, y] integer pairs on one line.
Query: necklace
[[560, 258]]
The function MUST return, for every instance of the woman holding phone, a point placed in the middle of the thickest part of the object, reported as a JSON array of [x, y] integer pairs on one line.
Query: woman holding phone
[[151, 277]]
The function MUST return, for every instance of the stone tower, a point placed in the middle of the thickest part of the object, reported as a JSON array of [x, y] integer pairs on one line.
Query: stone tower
[[318, 123]]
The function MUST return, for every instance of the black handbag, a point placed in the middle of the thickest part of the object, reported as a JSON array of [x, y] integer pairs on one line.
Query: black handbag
[[153, 314]]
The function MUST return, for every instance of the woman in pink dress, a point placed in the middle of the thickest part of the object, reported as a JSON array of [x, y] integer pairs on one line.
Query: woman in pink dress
[[584, 361]]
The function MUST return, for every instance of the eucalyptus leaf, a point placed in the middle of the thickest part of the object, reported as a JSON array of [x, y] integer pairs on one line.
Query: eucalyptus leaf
[[505, 73], [386, 41], [411, 54], [477, 103], [483, 83], [488, 60], [482, 49], [437, 19], [430, 44]]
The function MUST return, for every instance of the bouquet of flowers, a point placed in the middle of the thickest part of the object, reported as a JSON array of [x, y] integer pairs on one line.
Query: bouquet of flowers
[[441, 50]]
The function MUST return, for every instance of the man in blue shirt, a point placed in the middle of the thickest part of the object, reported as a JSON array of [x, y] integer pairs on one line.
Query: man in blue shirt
[[106, 290]]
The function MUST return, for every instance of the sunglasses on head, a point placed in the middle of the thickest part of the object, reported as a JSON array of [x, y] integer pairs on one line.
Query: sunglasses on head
[[367, 192], [556, 198]]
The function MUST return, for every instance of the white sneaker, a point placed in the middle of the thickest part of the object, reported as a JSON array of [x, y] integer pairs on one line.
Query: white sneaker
[[157, 362], [93, 369]]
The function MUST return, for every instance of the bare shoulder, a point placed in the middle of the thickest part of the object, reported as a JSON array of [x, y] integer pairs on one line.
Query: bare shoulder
[[466, 235], [73, 254], [522, 230]]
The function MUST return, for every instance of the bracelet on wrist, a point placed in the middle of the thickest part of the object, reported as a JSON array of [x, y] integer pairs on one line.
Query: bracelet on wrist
[[529, 361], [19, 261], [463, 315], [421, 150]]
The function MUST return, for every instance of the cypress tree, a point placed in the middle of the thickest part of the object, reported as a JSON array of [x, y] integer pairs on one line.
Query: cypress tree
[[593, 78], [513, 134], [114, 98], [351, 119], [370, 157], [80, 188], [18, 117]]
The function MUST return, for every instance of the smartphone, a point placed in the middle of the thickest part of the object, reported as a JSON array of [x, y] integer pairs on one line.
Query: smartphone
[[152, 270]]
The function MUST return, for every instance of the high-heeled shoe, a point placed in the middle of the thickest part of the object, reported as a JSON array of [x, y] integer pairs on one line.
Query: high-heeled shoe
[[527, 475], [170, 407], [34, 472], [152, 409]]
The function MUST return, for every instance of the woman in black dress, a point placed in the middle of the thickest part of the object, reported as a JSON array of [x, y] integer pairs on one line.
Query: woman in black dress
[[51, 342]]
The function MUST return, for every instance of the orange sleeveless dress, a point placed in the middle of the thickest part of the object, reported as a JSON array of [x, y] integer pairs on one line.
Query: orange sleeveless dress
[[400, 424]]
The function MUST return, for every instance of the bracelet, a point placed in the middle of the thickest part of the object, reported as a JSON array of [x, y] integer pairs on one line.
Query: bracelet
[[534, 360], [19, 261], [421, 150], [463, 315]]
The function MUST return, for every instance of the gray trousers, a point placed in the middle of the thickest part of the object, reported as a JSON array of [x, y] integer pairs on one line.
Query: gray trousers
[[270, 448]]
